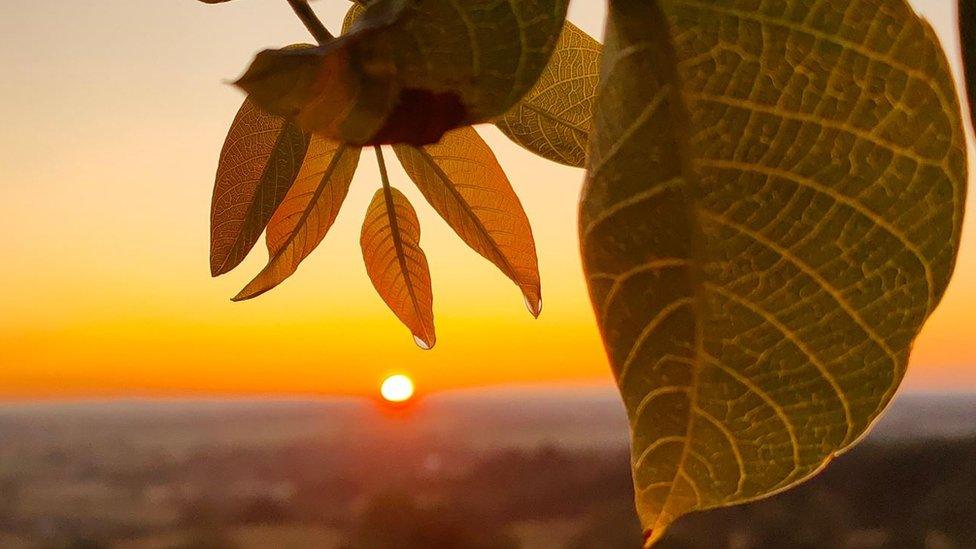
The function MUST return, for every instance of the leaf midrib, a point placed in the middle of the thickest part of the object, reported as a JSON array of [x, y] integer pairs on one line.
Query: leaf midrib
[[391, 215], [673, 100], [466, 208], [313, 203], [557, 120]]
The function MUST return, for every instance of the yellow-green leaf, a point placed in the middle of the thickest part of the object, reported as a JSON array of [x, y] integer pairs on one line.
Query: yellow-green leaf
[[307, 212], [407, 71], [553, 120], [258, 164], [773, 209], [462, 180], [397, 265]]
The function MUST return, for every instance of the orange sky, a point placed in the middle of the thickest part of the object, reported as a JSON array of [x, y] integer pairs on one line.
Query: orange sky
[[114, 112]]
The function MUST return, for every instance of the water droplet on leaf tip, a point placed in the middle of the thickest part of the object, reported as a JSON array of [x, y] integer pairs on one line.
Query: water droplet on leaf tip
[[534, 308], [422, 344]]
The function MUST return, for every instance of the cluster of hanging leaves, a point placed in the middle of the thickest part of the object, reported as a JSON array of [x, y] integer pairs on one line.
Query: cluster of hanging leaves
[[772, 209], [282, 174]]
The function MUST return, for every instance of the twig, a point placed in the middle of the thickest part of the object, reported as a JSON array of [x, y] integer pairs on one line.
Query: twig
[[311, 21]]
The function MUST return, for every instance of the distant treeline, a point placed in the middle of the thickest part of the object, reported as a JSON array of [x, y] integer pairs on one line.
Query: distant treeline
[[891, 496]]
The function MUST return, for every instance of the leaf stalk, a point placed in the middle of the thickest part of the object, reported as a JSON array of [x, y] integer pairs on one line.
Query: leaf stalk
[[383, 174], [311, 21]]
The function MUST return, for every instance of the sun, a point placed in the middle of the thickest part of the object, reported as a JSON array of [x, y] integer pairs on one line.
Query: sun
[[397, 389]]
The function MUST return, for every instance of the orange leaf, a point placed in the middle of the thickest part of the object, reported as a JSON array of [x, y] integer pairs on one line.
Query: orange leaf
[[306, 213], [462, 180], [396, 264], [260, 159]]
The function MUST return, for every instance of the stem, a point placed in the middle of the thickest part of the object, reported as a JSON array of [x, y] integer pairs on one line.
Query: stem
[[383, 175], [311, 21]]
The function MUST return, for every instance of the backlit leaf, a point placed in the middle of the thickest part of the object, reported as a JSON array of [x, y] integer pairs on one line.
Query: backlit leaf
[[773, 209], [553, 120], [462, 180], [409, 70], [967, 33], [306, 213], [259, 162], [355, 12], [396, 265]]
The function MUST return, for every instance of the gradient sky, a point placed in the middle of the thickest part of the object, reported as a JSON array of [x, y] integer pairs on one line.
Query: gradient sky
[[114, 112]]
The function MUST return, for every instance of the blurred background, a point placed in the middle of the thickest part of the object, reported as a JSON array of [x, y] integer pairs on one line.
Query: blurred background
[[481, 469], [140, 408]]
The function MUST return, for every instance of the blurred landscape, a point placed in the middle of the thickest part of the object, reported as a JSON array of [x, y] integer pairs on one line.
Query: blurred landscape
[[498, 469]]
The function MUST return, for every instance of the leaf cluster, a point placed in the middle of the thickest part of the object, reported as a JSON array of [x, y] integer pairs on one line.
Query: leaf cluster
[[283, 172]]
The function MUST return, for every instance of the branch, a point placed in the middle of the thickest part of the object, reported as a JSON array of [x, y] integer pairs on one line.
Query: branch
[[311, 21]]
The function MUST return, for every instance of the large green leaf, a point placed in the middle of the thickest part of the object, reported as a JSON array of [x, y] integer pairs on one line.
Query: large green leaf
[[409, 70], [773, 209], [553, 120]]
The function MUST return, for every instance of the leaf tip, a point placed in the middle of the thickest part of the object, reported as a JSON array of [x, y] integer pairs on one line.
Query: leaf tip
[[246, 294], [534, 305], [219, 267], [424, 343]]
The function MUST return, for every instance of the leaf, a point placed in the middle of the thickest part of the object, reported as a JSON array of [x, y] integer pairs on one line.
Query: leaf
[[462, 180], [553, 120], [259, 161], [772, 210], [307, 212], [355, 12], [409, 70], [967, 34], [396, 265]]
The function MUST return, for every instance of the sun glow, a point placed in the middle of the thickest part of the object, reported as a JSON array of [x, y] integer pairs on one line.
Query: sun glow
[[397, 388]]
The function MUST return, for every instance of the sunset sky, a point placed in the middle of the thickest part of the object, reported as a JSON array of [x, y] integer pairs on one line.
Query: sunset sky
[[113, 115]]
